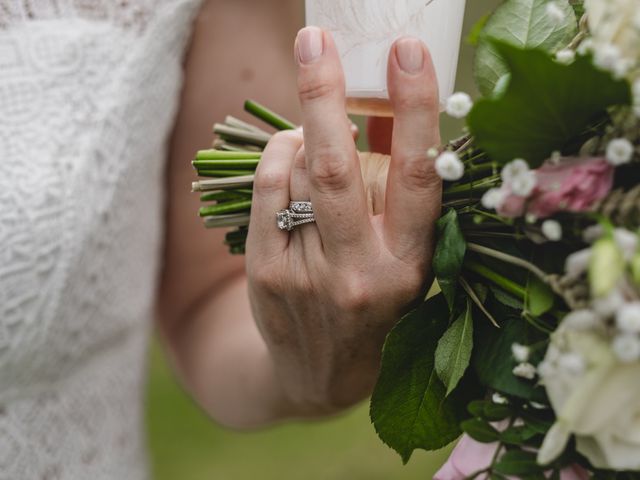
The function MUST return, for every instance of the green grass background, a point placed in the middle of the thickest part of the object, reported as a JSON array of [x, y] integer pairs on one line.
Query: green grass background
[[185, 445]]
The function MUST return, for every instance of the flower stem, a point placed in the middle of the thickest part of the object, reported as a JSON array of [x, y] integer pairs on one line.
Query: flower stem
[[233, 206], [227, 155], [263, 113], [503, 282], [519, 262]]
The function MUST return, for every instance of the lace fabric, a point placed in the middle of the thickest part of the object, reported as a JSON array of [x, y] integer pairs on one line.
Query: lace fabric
[[88, 94]]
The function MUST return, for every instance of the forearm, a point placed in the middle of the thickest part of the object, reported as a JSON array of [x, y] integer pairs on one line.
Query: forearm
[[224, 362]]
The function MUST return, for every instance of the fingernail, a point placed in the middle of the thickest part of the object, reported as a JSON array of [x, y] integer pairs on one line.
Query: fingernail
[[410, 55], [310, 44]]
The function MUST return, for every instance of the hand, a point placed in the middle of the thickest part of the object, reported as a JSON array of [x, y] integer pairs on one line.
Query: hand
[[325, 295]]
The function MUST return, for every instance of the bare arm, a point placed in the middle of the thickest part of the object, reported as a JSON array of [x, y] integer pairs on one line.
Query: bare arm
[[239, 47], [309, 341]]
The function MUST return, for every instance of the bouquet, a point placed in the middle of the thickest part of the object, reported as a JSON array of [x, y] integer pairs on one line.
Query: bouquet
[[531, 348]]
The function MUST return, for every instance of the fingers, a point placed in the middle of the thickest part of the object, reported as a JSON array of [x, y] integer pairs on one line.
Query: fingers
[[270, 195], [335, 182], [413, 199], [307, 236]]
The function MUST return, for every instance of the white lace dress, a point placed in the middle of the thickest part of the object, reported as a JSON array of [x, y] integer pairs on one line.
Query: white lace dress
[[88, 93]]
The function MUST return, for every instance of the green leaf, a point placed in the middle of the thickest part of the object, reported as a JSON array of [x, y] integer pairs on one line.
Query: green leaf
[[524, 24], [506, 299], [490, 411], [517, 435], [409, 408], [518, 463], [494, 363], [476, 31], [539, 297], [546, 106], [476, 408], [494, 412], [480, 430], [453, 354], [449, 255]]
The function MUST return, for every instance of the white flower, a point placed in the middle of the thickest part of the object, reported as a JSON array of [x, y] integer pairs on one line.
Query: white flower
[[493, 198], [514, 169], [521, 353], [433, 152], [616, 36], [499, 399], [627, 242], [578, 263], [586, 47], [628, 318], [600, 406], [531, 218], [524, 185], [619, 151], [459, 105], [582, 320], [555, 13], [538, 406], [525, 370], [552, 230], [609, 305], [626, 348], [449, 166], [566, 56], [572, 363], [546, 369], [608, 57]]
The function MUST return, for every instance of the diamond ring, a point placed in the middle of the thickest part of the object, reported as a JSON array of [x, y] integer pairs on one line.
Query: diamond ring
[[298, 213], [301, 207]]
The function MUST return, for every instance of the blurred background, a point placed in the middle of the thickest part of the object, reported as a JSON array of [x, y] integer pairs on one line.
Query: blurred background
[[186, 445]]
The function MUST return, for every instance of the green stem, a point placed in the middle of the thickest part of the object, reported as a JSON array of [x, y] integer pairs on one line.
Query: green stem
[[225, 164], [503, 282], [227, 155], [268, 116], [237, 135], [225, 208], [226, 195], [504, 257], [223, 173], [472, 187]]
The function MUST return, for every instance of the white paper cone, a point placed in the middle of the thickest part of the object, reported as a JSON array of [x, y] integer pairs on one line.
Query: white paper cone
[[364, 31]]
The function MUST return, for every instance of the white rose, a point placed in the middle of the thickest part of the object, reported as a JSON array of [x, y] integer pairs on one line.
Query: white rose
[[600, 405], [614, 23]]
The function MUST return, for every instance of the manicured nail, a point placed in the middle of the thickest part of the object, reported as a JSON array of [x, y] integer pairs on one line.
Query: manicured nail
[[310, 44], [410, 55]]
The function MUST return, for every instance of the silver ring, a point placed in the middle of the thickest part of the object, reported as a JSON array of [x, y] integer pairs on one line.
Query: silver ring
[[288, 219], [301, 207]]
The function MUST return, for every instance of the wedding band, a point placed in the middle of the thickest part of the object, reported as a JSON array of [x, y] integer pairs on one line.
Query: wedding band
[[301, 207], [288, 219]]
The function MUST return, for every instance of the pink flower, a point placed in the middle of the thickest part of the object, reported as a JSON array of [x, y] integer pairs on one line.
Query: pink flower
[[571, 185], [470, 457]]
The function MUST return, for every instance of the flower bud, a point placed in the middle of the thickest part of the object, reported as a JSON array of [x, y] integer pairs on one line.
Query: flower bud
[[606, 267]]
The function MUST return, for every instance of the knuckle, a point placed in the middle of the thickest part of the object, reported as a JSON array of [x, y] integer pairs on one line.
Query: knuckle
[[354, 295], [258, 274], [317, 86], [269, 180], [330, 169], [286, 137], [418, 172], [300, 162], [423, 101]]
